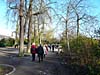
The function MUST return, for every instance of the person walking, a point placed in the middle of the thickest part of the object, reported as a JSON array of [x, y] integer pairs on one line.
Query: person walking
[[45, 47], [40, 52], [33, 51], [53, 47]]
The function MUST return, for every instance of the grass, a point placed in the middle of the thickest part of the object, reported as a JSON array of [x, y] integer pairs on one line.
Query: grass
[[5, 69]]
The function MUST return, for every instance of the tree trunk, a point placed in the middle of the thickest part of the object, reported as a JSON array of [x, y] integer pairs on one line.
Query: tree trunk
[[77, 30], [39, 38], [16, 33], [26, 17], [77, 26], [67, 38], [30, 26], [34, 32], [21, 48]]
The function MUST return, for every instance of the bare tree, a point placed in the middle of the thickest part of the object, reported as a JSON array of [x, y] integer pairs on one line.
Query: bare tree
[[30, 25], [21, 23], [17, 8], [79, 10]]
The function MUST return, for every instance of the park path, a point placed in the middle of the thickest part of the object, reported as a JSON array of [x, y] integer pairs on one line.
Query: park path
[[24, 66], [52, 64]]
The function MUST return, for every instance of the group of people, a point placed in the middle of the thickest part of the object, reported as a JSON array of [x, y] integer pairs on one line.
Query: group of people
[[41, 51]]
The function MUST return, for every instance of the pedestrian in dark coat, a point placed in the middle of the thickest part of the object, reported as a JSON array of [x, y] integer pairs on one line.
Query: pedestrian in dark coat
[[40, 52], [53, 48]]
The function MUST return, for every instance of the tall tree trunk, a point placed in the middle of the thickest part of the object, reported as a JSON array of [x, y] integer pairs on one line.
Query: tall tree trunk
[[78, 42], [21, 48], [30, 26], [16, 34], [26, 17], [67, 38], [34, 32], [38, 29], [78, 25]]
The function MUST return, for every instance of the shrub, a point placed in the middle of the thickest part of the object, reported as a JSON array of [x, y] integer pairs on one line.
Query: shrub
[[10, 42], [2, 42], [7, 42]]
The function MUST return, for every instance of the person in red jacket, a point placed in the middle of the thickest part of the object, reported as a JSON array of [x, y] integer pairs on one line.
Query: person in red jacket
[[33, 51]]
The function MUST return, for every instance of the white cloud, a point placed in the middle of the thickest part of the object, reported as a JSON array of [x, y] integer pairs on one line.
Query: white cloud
[[5, 32]]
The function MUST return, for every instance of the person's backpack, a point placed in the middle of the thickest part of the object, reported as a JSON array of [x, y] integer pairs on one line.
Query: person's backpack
[[40, 50]]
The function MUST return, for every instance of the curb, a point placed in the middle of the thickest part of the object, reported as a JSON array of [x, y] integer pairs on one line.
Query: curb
[[11, 67]]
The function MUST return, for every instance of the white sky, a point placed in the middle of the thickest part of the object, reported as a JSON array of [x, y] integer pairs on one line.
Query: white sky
[[4, 31]]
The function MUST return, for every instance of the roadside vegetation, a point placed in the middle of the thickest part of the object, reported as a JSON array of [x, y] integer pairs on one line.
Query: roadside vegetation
[[86, 53], [7, 42]]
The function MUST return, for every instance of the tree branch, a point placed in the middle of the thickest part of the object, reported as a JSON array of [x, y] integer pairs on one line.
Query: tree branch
[[12, 7]]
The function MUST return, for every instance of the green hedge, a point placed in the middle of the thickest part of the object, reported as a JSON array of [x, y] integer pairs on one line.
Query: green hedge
[[7, 42]]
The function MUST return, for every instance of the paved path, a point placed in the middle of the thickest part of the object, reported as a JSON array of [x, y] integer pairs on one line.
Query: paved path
[[52, 64], [24, 66]]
